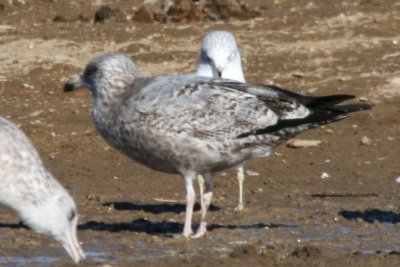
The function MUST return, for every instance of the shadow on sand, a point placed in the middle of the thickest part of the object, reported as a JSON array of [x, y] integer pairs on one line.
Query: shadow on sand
[[164, 227], [14, 225], [372, 215], [155, 208]]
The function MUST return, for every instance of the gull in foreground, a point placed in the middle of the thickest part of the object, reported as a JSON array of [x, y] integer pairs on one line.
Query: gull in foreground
[[192, 125], [220, 58], [33, 193]]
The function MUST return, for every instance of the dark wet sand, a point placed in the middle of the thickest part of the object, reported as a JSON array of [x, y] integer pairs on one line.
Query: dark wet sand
[[292, 216]]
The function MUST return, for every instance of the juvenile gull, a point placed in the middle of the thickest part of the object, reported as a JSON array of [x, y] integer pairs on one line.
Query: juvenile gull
[[220, 58], [33, 193], [193, 125]]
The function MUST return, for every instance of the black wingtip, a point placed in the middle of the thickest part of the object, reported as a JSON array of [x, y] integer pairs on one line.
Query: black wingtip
[[323, 102], [318, 117], [349, 108]]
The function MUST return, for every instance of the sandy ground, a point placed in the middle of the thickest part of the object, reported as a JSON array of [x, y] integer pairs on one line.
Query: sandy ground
[[292, 216]]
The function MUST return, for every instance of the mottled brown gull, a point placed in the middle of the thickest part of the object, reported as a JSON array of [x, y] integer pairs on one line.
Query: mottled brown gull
[[33, 193], [193, 125], [220, 58]]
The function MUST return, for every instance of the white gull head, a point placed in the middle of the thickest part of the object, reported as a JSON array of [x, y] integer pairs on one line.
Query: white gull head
[[220, 57], [33, 193], [56, 217]]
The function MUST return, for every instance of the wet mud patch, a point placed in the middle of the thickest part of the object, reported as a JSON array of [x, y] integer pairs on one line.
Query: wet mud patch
[[293, 217]]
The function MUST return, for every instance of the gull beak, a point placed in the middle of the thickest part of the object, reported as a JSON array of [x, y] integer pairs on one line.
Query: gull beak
[[72, 246], [73, 83], [219, 71]]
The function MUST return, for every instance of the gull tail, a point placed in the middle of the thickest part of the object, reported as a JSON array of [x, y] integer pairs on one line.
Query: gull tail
[[353, 107], [323, 102], [323, 110], [272, 92], [294, 126], [310, 101]]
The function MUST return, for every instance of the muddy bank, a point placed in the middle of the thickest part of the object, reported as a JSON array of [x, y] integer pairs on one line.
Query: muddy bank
[[292, 216]]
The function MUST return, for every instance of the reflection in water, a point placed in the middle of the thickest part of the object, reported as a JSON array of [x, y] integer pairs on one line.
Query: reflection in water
[[28, 261], [167, 227], [331, 238]]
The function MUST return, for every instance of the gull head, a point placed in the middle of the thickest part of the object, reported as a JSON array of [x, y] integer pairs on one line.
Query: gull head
[[220, 57], [106, 74], [55, 216]]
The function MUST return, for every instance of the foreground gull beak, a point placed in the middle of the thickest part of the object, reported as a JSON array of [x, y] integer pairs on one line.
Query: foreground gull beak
[[220, 69], [74, 83], [219, 72], [72, 246]]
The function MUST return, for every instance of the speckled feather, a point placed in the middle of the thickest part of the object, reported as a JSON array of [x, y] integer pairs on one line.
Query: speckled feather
[[167, 127], [195, 125], [33, 193], [23, 177], [175, 123]]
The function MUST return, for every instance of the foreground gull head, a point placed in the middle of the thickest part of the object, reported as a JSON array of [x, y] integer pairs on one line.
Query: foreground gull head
[[31, 191], [193, 125], [220, 57]]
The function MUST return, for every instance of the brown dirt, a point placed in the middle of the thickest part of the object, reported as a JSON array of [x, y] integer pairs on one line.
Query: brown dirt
[[292, 216]]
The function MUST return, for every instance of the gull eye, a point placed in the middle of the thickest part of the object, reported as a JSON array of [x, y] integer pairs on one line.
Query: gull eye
[[90, 71], [71, 215], [232, 56]]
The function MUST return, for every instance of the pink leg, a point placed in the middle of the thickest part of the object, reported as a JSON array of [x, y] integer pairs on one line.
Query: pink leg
[[190, 196], [240, 177], [207, 195]]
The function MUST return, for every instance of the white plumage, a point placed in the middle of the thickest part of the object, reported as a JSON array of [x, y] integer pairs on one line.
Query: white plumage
[[220, 58], [31, 191]]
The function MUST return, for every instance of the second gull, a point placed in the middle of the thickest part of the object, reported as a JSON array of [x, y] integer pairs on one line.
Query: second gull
[[191, 125]]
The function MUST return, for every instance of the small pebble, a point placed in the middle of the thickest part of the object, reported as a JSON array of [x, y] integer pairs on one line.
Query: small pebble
[[325, 175], [329, 131], [297, 143], [252, 173], [365, 140]]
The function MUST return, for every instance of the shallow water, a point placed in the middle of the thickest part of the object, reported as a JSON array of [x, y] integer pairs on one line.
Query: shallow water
[[331, 240], [11, 261]]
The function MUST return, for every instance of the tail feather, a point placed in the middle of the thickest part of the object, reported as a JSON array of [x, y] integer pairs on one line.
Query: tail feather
[[324, 101], [349, 108], [323, 109], [311, 101], [314, 101], [274, 92], [318, 117]]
